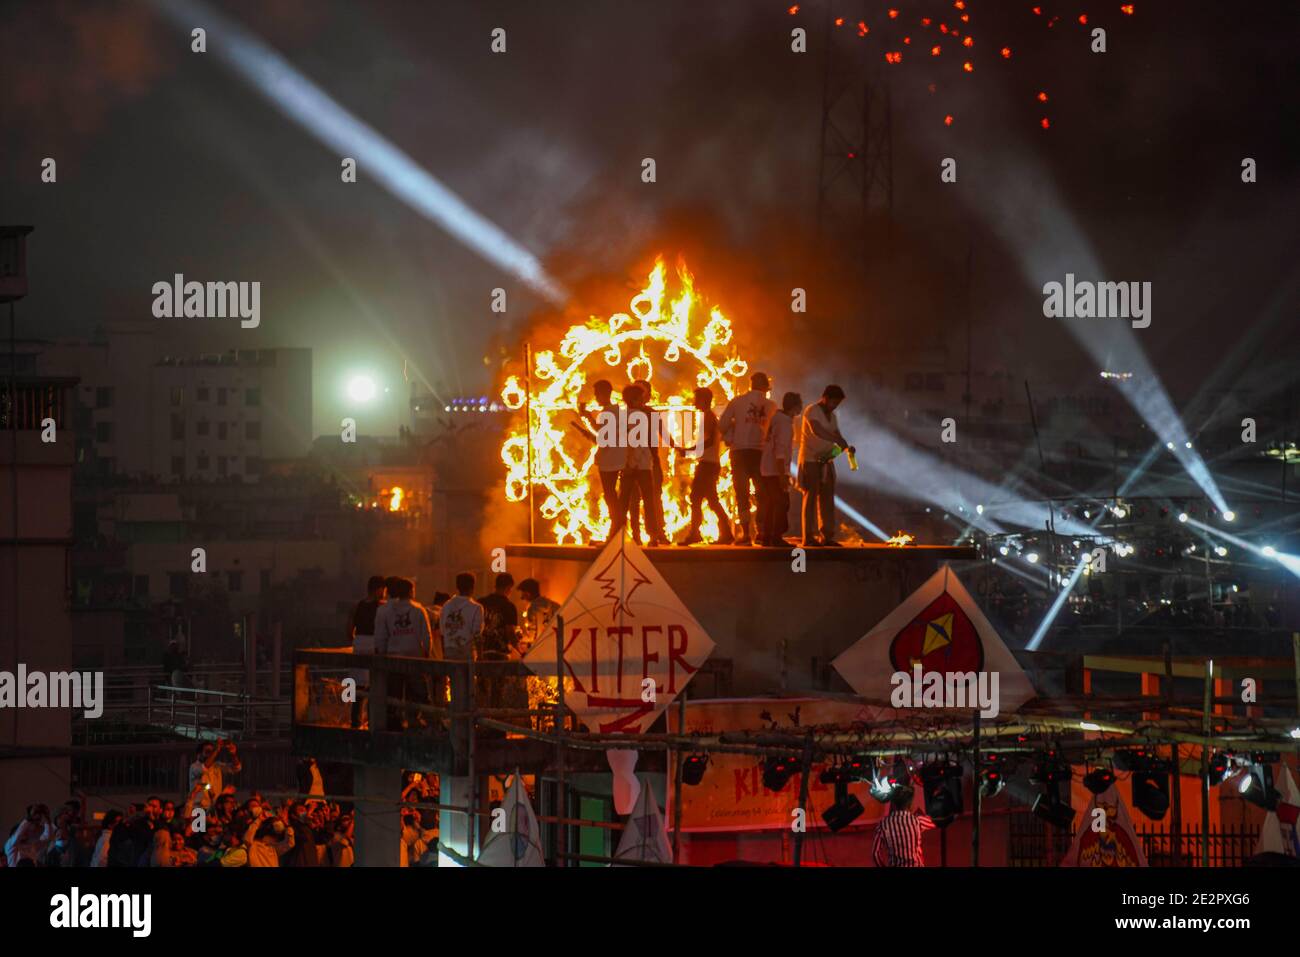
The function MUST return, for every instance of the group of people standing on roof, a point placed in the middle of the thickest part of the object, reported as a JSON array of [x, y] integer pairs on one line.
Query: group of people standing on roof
[[764, 442], [389, 621]]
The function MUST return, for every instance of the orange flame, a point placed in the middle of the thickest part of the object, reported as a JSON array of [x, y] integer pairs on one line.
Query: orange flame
[[675, 343]]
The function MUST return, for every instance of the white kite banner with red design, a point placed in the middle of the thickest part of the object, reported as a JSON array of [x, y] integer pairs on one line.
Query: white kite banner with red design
[[515, 839], [1106, 837], [1280, 832], [939, 629], [630, 645]]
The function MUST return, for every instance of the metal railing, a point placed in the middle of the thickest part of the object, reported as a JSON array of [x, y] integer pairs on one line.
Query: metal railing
[[163, 768], [1228, 846], [201, 713]]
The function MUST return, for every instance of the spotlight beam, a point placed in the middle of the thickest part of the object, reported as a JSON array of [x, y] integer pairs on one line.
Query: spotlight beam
[[1057, 604], [1049, 242], [298, 98]]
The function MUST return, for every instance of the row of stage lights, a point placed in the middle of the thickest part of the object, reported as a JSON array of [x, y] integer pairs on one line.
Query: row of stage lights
[[1026, 547], [941, 780], [1120, 549], [480, 404]]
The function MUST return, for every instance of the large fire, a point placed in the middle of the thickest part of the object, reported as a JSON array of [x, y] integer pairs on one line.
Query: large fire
[[672, 341]]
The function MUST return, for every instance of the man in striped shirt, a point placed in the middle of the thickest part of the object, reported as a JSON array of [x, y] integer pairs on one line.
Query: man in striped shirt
[[898, 835]]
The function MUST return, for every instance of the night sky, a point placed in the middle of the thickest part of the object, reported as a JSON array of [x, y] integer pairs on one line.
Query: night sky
[[169, 162]]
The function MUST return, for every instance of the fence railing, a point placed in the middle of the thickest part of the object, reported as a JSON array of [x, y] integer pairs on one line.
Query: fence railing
[[200, 713], [1229, 846], [163, 768], [1035, 843]]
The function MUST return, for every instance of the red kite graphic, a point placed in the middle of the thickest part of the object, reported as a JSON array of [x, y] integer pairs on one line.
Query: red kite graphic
[[941, 638]]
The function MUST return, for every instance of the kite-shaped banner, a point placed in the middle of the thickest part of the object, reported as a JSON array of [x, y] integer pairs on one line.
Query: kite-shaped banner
[[1106, 839], [645, 837], [518, 842], [941, 629], [1280, 832], [630, 645]]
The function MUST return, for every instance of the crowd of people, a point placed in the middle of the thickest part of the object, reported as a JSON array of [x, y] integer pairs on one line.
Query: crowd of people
[[211, 827], [764, 441]]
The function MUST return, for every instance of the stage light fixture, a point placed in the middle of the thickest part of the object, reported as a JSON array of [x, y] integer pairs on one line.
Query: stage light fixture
[[846, 809], [1229, 516], [693, 768], [1050, 768], [1151, 792], [901, 773], [882, 789], [1098, 780], [1182, 516], [777, 772], [941, 786], [1049, 807], [835, 774], [860, 767], [1132, 759], [1032, 558], [1257, 784], [1217, 769], [993, 777]]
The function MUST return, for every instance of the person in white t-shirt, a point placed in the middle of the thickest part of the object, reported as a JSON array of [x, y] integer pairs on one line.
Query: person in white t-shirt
[[461, 620], [461, 624], [778, 451], [610, 457], [638, 484], [704, 484], [820, 437], [402, 628], [744, 427]]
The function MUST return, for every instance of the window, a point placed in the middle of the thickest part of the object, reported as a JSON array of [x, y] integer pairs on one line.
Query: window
[[140, 589], [201, 427], [252, 397], [203, 394], [104, 397], [203, 463], [253, 431], [913, 382], [178, 584], [222, 463], [178, 395], [264, 580], [234, 581], [178, 466], [222, 430], [221, 396], [253, 465], [178, 428], [103, 431]]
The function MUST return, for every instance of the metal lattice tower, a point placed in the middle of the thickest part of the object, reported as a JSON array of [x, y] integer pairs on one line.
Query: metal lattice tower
[[855, 170]]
